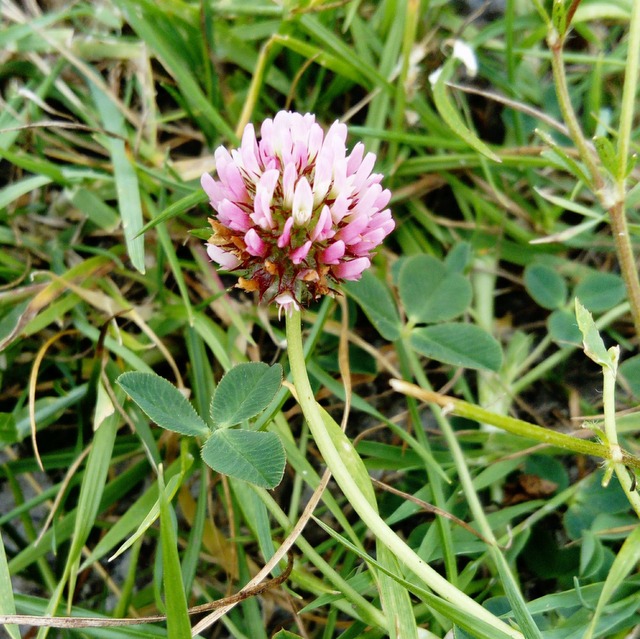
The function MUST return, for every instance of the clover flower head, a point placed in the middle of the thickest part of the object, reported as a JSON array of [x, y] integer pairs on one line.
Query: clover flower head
[[294, 213]]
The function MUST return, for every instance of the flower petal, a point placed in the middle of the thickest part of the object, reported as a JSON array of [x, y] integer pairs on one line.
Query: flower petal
[[333, 253], [351, 270], [226, 260], [302, 203], [300, 253], [255, 245]]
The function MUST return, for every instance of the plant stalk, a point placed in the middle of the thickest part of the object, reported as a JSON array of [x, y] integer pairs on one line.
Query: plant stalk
[[511, 425], [357, 498], [617, 456]]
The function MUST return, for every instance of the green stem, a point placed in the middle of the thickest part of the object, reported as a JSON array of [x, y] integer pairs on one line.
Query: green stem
[[556, 43], [612, 198], [617, 457], [626, 259], [518, 605], [617, 212], [629, 90], [358, 500], [511, 425]]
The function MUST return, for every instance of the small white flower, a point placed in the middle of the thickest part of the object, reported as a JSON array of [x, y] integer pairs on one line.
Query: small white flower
[[463, 52]]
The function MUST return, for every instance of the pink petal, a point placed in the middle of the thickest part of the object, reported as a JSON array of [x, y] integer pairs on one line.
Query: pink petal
[[351, 270], [383, 199], [289, 177], [249, 150], [262, 202], [286, 303], [355, 158], [226, 260], [300, 253], [266, 142], [333, 253], [364, 170], [340, 207], [322, 178], [369, 242], [230, 175], [300, 155], [365, 204], [233, 217], [285, 236], [351, 232], [213, 189], [323, 226], [255, 245], [316, 135]]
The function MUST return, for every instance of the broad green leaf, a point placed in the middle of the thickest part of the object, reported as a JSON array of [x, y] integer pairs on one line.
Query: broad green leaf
[[378, 304], [458, 258], [459, 345], [594, 347], [254, 456], [246, 390], [285, 634], [630, 372], [599, 292], [429, 292], [591, 500], [163, 403], [178, 622], [563, 328], [545, 285]]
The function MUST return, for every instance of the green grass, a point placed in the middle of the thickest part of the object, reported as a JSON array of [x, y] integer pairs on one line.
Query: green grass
[[513, 193]]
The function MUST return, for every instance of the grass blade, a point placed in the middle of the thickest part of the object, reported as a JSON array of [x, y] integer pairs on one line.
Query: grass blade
[[124, 175], [178, 623]]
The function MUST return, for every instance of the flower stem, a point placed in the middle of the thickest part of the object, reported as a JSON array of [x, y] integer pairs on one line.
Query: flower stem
[[329, 439]]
